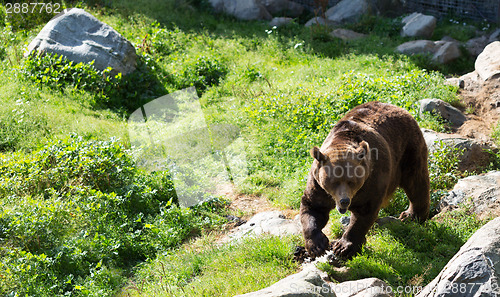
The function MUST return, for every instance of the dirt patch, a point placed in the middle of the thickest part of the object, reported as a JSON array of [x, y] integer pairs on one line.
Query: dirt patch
[[482, 106]]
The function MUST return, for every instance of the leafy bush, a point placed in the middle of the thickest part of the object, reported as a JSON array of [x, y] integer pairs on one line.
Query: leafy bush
[[201, 72], [124, 93], [443, 166], [76, 215]]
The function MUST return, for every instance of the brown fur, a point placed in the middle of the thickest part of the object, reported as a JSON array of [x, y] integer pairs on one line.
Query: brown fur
[[372, 150]]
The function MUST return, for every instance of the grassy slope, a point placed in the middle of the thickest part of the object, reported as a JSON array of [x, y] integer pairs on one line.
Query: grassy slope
[[284, 89]]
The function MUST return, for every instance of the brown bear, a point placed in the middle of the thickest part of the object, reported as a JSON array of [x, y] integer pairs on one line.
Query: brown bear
[[372, 150]]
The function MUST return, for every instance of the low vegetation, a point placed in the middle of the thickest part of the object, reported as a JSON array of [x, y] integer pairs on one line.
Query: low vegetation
[[80, 217]]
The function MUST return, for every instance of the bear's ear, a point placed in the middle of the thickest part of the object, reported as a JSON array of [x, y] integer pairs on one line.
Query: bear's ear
[[364, 150], [316, 154]]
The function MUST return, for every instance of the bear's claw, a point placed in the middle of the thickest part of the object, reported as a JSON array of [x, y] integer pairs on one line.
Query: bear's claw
[[345, 249], [317, 245]]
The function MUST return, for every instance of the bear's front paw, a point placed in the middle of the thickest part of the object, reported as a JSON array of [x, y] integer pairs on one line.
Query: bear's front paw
[[317, 244], [345, 249]]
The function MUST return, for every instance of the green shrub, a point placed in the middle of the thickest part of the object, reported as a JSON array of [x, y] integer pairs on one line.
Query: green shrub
[[122, 93], [76, 215], [443, 166]]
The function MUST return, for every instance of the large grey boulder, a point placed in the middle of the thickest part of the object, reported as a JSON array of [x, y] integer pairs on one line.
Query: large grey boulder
[[480, 192], [417, 47], [476, 45], [474, 271], [283, 7], [443, 109], [368, 287], [475, 153], [442, 52], [488, 62], [268, 222], [307, 283], [80, 37], [242, 9], [418, 25], [348, 11], [446, 53]]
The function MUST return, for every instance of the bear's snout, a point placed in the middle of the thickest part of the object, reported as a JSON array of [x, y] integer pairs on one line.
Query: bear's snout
[[343, 205]]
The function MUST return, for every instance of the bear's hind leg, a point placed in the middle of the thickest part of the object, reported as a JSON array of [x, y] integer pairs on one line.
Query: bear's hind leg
[[417, 188]]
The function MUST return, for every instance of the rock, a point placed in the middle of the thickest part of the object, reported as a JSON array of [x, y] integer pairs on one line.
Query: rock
[[455, 81], [476, 45], [474, 270], [488, 62], [475, 154], [471, 81], [283, 7], [444, 109], [348, 11], [307, 283], [442, 51], [368, 287], [346, 34], [418, 25], [417, 47], [495, 36], [242, 9], [446, 53], [318, 21], [271, 222], [482, 192], [280, 21], [345, 221], [81, 37]]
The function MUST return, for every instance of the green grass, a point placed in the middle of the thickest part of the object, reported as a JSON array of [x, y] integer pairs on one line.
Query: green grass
[[410, 254], [212, 270], [79, 217]]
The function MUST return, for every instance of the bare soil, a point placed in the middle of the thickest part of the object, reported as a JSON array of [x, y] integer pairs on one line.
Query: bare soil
[[481, 103]]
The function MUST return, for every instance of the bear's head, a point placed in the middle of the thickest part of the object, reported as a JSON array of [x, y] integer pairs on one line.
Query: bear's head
[[341, 171]]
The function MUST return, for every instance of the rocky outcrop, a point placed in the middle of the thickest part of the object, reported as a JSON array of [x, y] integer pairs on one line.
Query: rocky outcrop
[[444, 110], [307, 283], [368, 287], [474, 270], [418, 25], [480, 192], [80, 37]]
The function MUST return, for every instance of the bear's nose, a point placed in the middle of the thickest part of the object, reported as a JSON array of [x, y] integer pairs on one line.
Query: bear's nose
[[344, 202]]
